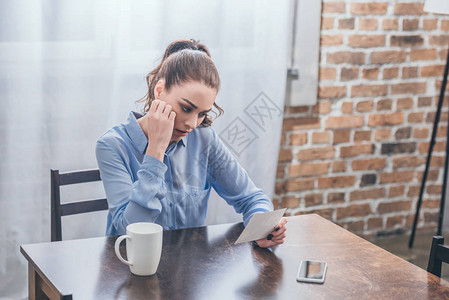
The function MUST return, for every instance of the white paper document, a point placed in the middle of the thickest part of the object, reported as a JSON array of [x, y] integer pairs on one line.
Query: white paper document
[[260, 226]]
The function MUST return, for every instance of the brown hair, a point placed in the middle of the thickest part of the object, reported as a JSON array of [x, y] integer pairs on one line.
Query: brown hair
[[184, 60]]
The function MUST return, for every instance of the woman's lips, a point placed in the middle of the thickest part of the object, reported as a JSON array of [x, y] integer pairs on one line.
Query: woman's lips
[[181, 133]]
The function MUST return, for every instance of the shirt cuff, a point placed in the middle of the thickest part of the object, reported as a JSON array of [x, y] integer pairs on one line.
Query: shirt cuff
[[153, 165], [247, 218], [135, 213]]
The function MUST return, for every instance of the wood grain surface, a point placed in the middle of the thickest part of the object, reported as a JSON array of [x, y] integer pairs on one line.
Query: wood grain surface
[[203, 263]]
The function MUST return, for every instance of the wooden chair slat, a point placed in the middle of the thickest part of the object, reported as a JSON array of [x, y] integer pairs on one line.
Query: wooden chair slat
[[79, 177], [74, 208], [83, 206]]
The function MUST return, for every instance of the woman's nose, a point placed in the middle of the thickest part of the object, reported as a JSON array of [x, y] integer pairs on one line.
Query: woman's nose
[[191, 122]]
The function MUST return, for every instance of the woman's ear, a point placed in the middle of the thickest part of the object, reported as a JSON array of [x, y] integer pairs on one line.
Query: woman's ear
[[159, 88]]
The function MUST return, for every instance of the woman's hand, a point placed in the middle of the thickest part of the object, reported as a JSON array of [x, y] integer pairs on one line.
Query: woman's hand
[[159, 125], [276, 237]]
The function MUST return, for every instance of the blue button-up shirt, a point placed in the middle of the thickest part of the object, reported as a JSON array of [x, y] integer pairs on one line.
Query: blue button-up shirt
[[174, 194]]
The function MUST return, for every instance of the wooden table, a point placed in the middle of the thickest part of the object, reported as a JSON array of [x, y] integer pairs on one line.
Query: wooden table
[[203, 263]]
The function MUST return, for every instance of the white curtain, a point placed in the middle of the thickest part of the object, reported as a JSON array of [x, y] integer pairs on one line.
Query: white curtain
[[69, 70]]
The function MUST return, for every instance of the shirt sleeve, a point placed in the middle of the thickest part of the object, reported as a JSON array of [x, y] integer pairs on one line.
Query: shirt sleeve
[[232, 183], [130, 201]]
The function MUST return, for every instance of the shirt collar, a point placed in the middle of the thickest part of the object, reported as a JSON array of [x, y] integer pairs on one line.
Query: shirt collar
[[183, 141], [135, 132], [137, 135]]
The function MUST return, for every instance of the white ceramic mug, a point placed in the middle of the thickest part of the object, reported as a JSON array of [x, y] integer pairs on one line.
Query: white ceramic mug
[[143, 247]]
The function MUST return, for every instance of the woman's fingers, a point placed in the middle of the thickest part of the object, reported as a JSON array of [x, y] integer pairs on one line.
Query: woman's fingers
[[154, 105], [276, 237], [279, 232], [279, 237], [280, 228], [160, 122], [283, 221], [167, 110], [279, 242], [161, 108], [172, 116], [264, 243]]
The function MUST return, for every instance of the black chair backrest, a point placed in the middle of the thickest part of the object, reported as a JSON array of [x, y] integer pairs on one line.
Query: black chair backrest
[[439, 253], [58, 210]]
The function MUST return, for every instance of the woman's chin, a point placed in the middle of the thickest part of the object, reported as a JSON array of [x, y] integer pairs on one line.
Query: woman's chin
[[175, 138]]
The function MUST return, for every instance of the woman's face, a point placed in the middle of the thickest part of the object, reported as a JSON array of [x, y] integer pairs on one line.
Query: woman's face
[[191, 101]]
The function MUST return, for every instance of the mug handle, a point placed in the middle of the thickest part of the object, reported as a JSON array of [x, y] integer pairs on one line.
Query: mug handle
[[117, 251]]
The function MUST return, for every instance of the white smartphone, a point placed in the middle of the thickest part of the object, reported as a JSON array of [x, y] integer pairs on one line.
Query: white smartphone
[[312, 271]]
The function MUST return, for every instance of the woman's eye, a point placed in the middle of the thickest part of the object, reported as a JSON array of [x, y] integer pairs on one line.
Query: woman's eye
[[186, 109]]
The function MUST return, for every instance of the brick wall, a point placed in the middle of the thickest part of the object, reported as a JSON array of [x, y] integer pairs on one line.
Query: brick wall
[[357, 156]]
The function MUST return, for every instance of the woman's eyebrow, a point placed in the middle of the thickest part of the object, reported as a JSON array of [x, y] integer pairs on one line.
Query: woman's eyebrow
[[191, 104], [194, 106]]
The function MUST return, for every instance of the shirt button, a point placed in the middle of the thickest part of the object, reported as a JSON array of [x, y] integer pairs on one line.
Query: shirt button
[[171, 204]]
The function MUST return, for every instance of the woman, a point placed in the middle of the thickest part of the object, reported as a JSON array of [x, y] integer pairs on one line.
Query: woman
[[160, 167]]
